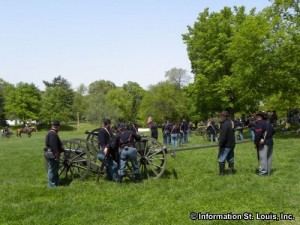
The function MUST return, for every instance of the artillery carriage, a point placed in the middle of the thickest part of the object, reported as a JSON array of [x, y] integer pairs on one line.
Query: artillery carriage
[[79, 158]]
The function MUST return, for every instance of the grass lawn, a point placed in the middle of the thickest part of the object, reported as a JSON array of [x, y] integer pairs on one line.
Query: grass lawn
[[190, 184]]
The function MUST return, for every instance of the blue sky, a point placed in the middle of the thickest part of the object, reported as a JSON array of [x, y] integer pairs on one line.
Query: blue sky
[[89, 40]]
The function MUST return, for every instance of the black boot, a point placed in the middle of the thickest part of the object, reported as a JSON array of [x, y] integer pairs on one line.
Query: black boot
[[221, 168], [137, 177], [230, 167]]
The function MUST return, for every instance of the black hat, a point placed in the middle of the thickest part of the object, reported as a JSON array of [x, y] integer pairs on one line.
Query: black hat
[[224, 113], [106, 121], [56, 123], [262, 114]]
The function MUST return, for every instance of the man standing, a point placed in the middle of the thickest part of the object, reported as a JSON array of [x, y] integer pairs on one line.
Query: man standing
[[125, 140], [226, 143], [53, 143], [153, 128], [263, 142], [106, 153]]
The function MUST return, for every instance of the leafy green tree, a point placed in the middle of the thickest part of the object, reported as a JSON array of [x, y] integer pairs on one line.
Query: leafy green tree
[[100, 86], [57, 101], [2, 104], [265, 50], [63, 83], [136, 92], [56, 105], [22, 102], [82, 89], [80, 104], [97, 109], [119, 104], [241, 60], [164, 101], [208, 42]]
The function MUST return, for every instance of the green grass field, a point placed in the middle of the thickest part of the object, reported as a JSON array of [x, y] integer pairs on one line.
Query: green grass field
[[190, 184]]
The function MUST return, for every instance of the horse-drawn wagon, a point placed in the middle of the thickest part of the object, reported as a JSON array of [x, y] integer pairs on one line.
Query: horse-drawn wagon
[[79, 158]]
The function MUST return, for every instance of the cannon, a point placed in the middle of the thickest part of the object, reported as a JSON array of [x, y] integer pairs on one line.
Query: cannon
[[79, 158]]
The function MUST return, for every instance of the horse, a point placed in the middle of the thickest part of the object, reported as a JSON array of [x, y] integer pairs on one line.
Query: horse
[[28, 131]]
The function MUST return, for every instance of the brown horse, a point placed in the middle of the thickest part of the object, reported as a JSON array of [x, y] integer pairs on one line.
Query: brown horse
[[28, 131]]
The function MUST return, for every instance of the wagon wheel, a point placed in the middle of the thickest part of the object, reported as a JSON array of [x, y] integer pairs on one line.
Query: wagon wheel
[[151, 157], [93, 138], [74, 161], [94, 162]]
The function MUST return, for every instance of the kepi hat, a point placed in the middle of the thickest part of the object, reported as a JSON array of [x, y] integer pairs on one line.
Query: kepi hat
[[224, 113], [56, 123], [106, 121]]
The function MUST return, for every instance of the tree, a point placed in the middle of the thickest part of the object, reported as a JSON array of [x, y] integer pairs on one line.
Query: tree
[[265, 50], [2, 104], [241, 60], [214, 88], [164, 101], [63, 83], [97, 109], [57, 101], [137, 93], [80, 105], [100, 86], [178, 77], [23, 101], [118, 103], [56, 105]]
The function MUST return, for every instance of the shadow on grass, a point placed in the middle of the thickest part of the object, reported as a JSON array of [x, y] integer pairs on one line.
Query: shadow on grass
[[65, 181]]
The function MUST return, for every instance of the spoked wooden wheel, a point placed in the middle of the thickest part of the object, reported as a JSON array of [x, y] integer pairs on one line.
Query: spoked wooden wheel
[[74, 161], [94, 161], [93, 138], [151, 157]]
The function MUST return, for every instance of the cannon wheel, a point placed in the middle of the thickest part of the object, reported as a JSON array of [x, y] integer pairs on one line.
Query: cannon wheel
[[94, 162], [93, 138], [74, 161], [151, 157]]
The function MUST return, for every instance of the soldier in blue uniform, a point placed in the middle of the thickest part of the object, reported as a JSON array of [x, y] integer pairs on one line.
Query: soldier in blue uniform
[[125, 141], [53, 143], [107, 153], [263, 142], [226, 143]]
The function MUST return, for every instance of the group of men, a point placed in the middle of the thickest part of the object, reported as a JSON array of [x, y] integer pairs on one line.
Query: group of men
[[176, 133], [263, 142], [115, 150]]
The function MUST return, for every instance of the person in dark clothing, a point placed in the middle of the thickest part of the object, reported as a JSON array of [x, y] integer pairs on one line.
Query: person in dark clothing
[[226, 143], [213, 130], [175, 132], [107, 153], [125, 141], [53, 143], [251, 125], [263, 142], [166, 130], [154, 130], [184, 128], [239, 127]]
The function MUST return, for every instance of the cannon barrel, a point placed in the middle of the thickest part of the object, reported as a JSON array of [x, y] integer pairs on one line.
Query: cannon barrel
[[172, 151]]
